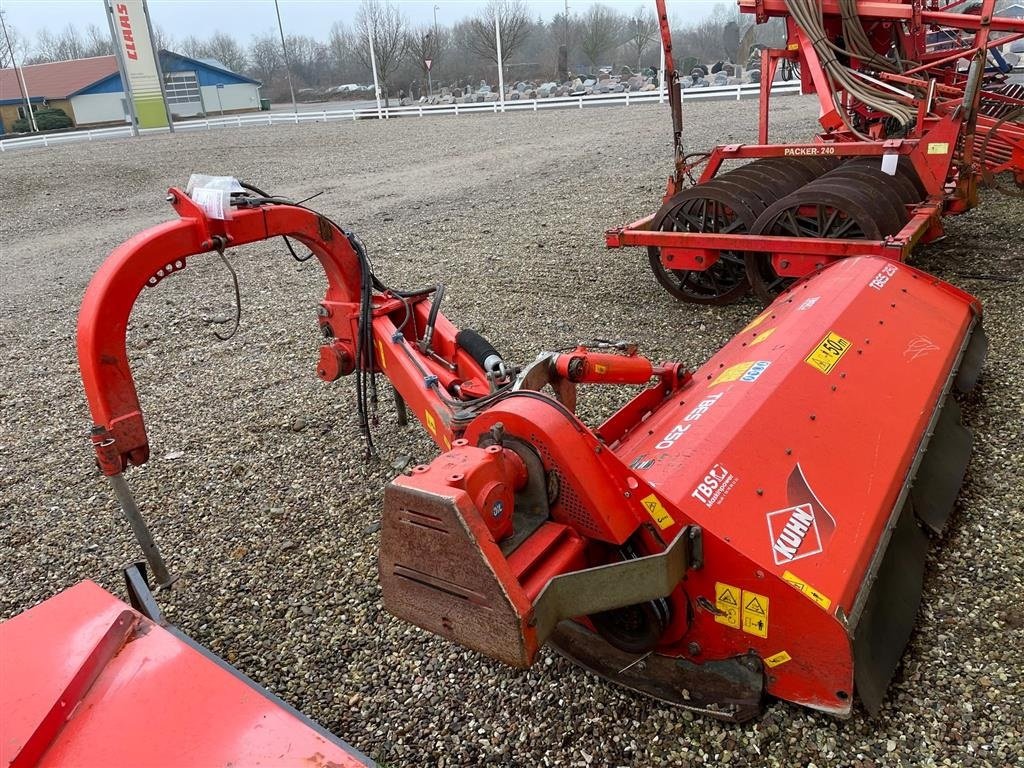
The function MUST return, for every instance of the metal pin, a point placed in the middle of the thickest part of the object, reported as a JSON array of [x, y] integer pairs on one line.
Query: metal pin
[[634, 663], [141, 531]]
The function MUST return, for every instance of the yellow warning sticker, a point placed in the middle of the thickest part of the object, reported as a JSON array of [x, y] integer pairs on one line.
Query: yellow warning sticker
[[601, 369], [754, 613], [731, 373], [657, 511], [807, 590], [431, 424], [776, 659], [727, 601], [828, 353], [938, 148], [762, 336], [756, 321], [380, 354], [447, 443]]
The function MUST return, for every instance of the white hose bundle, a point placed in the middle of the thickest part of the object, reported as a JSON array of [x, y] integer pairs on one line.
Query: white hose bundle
[[808, 16]]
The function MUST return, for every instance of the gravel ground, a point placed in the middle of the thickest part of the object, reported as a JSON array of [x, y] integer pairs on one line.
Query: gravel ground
[[258, 491]]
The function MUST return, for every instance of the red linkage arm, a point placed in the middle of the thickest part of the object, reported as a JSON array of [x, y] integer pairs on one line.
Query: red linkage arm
[[119, 433]]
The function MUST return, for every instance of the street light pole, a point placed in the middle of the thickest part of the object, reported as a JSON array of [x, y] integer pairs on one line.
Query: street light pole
[[20, 78], [501, 74], [373, 66], [287, 60]]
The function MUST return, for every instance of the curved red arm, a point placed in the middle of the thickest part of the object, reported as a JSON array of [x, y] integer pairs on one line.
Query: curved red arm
[[119, 433]]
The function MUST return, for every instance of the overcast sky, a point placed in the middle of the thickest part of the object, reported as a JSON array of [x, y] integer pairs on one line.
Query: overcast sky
[[243, 18]]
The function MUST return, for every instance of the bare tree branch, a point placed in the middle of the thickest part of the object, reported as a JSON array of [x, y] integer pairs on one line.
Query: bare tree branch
[[643, 29], [602, 33], [514, 19], [390, 31]]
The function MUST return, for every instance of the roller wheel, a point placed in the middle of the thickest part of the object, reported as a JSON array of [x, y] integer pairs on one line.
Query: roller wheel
[[711, 207], [826, 209]]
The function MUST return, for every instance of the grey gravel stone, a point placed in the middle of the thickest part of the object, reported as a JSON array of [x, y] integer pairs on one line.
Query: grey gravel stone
[[261, 546]]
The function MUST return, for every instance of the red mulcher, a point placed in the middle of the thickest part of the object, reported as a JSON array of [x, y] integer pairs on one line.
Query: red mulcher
[[754, 527]]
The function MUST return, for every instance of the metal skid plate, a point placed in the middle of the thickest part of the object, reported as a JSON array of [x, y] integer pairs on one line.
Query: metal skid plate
[[731, 689]]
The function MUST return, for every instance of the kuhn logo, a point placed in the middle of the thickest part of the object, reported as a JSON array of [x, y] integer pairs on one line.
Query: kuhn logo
[[794, 533], [714, 487], [126, 32]]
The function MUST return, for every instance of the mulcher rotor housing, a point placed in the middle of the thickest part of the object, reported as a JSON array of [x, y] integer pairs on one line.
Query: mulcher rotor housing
[[916, 111], [754, 527]]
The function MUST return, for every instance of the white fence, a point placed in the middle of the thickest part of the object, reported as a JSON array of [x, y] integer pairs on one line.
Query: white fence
[[418, 110]]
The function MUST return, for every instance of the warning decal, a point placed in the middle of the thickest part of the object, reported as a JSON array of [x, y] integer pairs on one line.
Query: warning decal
[[807, 590], [754, 614], [757, 321], [829, 352], [431, 424], [657, 511], [779, 658], [732, 373], [762, 336], [727, 601]]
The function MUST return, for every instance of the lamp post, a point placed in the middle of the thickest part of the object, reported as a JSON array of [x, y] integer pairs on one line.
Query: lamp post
[[20, 73], [287, 60], [370, 28], [501, 74]]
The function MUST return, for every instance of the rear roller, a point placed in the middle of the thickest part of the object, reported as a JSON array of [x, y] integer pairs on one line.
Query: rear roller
[[704, 208], [728, 204], [853, 202]]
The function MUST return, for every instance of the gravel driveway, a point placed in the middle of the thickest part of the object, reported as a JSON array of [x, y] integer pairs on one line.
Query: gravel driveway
[[258, 492]]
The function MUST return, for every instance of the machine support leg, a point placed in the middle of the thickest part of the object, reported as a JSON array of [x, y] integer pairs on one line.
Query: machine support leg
[[403, 412], [141, 531]]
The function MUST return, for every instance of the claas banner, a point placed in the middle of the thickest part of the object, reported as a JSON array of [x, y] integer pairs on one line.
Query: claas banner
[[138, 61]]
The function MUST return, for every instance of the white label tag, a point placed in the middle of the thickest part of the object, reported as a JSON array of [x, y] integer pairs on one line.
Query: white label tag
[[889, 163], [212, 201]]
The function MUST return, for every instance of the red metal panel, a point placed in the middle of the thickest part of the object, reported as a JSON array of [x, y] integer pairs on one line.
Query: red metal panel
[[158, 701]]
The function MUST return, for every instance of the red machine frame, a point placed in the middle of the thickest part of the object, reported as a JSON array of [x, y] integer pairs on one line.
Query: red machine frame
[[942, 145]]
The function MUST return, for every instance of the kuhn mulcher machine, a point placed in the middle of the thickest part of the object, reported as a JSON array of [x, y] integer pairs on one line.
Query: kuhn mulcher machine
[[755, 526], [916, 111]]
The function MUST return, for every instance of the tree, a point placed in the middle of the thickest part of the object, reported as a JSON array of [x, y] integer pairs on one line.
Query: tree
[[643, 30], [162, 39], [427, 43], [309, 59], [514, 19], [98, 42], [224, 48], [390, 30], [192, 46], [266, 61], [15, 54], [64, 46], [602, 33]]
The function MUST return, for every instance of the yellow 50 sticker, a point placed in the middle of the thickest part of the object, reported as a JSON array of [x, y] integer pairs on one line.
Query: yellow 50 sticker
[[828, 353]]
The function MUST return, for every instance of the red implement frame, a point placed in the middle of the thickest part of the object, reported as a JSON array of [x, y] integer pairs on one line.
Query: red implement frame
[[942, 145]]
